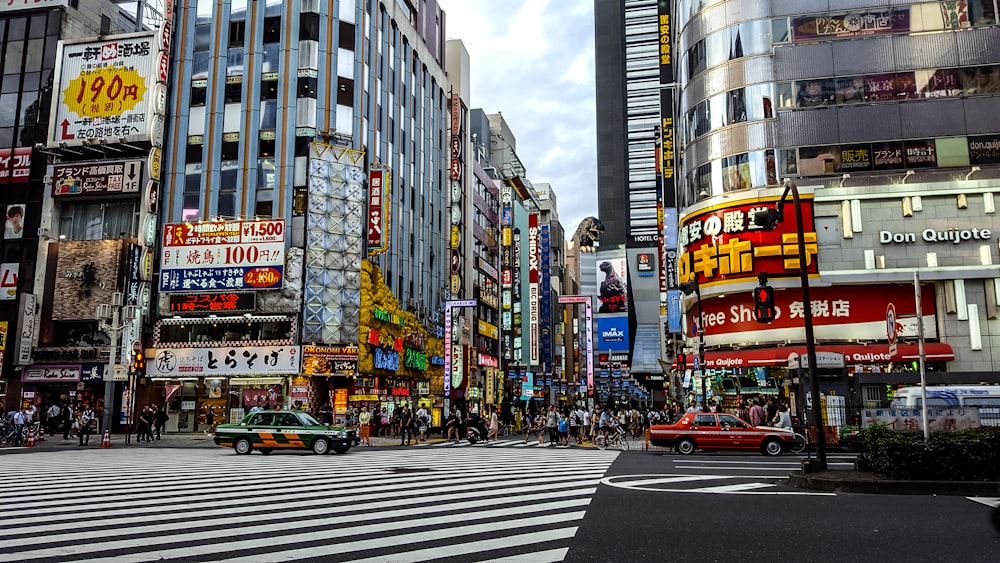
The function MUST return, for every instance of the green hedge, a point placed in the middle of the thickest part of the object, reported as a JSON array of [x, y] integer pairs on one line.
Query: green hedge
[[966, 455]]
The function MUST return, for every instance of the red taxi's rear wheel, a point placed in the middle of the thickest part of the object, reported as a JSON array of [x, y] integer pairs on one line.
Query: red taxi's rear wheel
[[771, 447], [685, 446]]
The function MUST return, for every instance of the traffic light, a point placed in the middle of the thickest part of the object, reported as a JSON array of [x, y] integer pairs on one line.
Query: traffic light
[[139, 365], [763, 302]]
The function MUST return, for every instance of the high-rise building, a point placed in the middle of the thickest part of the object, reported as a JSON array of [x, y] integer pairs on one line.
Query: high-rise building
[[288, 118], [630, 193], [70, 182], [884, 117]]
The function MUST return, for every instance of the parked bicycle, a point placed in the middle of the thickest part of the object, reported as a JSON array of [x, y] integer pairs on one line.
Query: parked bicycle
[[616, 438]]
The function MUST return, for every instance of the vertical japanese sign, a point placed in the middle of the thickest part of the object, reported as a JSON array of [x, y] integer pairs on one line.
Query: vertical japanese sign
[[378, 216], [26, 332], [456, 139], [665, 27], [534, 270], [546, 299], [104, 89]]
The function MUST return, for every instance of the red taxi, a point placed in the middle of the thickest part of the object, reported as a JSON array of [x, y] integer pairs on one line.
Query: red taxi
[[720, 431]]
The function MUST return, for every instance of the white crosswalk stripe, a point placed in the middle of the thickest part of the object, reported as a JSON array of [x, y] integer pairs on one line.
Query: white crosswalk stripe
[[375, 505]]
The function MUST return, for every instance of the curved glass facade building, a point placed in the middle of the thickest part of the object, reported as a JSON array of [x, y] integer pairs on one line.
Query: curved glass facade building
[[776, 90], [884, 114]]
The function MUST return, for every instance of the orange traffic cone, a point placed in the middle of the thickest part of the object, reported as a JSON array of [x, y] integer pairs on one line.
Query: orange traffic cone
[[41, 433], [106, 441], [31, 438]]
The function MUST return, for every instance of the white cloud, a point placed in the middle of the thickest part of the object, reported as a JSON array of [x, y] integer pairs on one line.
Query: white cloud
[[533, 60]]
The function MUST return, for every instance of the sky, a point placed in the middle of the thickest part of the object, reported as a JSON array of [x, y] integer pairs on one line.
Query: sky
[[533, 61]]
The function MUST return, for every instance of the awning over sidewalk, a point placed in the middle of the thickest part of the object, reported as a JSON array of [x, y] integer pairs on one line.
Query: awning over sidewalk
[[827, 355]]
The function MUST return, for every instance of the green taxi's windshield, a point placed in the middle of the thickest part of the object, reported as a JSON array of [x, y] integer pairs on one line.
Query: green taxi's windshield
[[308, 420]]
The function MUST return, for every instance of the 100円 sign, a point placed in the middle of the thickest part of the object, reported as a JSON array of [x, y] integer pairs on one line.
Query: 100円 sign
[[222, 255]]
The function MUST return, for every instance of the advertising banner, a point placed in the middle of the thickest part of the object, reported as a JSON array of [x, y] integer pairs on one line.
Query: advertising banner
[[329, 360], [911, 420], [97, 178], [534, 290], [104, 89], [228, 302], [723, 243], [838, 313], [17, 5], [51, 374], [665, 26], [15, 165], [8, 280], [854, 24], [612, 333], [612, 283], [224, 361], [984, 149], [378, 210], [223, 255], [645, 264]]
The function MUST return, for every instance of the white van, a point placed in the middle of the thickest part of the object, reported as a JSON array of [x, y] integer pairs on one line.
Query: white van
[[985, 397]]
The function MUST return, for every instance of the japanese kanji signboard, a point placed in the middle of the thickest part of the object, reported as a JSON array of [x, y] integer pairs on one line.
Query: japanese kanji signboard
[[104, 89], [96, 178], [838, 314], [15, 166], [723, 244], [224, 361], [222, 255], [378, 211], [18, 5], [228, 302]]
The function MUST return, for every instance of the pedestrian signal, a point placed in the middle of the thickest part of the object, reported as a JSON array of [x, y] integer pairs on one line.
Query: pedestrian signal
[[139, 364], [763, 304]]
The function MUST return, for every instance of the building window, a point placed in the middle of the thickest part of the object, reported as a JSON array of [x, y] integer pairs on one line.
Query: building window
[[345, 91], [269, 90], [194, 153], [198, 95], [272, 30], [237, 33], [265, 148], [230, 150], [234, 92], [202, 37], [346, 40], [309, 27], [307, 87]]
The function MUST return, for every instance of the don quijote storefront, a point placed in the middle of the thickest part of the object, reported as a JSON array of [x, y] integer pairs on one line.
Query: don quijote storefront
[[746, 360]]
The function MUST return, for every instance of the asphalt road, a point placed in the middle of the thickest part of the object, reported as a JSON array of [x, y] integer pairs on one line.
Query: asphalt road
[[460, 503], [733, 507]]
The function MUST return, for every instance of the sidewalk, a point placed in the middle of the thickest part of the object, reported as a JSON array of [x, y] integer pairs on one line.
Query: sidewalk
[[863, 482], [49, 443]]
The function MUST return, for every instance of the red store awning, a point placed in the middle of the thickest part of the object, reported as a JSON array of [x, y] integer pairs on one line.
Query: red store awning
[[827, 354]]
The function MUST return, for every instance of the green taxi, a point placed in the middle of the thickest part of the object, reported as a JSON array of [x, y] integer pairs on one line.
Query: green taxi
[[270, 430]]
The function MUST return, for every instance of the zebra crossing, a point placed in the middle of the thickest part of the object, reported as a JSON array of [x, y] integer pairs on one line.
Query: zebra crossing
[[476, 504]]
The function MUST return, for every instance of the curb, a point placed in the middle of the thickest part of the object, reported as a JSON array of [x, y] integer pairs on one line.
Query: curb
[[874, 485]]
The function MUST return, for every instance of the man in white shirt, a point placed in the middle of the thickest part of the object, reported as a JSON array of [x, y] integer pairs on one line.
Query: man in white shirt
[[52, 419]]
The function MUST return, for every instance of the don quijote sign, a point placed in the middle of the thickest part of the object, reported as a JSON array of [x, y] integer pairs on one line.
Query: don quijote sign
[[934, 236]]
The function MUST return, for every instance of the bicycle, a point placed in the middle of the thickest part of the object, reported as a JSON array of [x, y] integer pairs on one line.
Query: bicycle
[[503, 430], [616, 438], [799, 445]]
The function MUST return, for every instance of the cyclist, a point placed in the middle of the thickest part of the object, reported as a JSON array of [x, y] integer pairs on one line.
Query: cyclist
[[608, 421]]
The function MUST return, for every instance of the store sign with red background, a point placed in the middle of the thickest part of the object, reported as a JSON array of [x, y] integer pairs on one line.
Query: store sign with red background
[[722, 244], [839, 313]]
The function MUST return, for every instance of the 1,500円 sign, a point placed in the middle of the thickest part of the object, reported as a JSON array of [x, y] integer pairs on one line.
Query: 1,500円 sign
[[223, 256]]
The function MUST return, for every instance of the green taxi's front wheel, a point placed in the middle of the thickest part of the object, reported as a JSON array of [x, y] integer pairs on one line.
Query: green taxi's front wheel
[[242, 446], [320, 446]]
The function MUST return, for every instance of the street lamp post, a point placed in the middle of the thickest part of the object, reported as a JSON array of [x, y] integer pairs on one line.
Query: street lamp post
[[113, 319], [769, 219], [688, 288]]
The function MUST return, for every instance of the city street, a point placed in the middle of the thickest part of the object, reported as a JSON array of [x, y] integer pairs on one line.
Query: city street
[[505, 502]]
